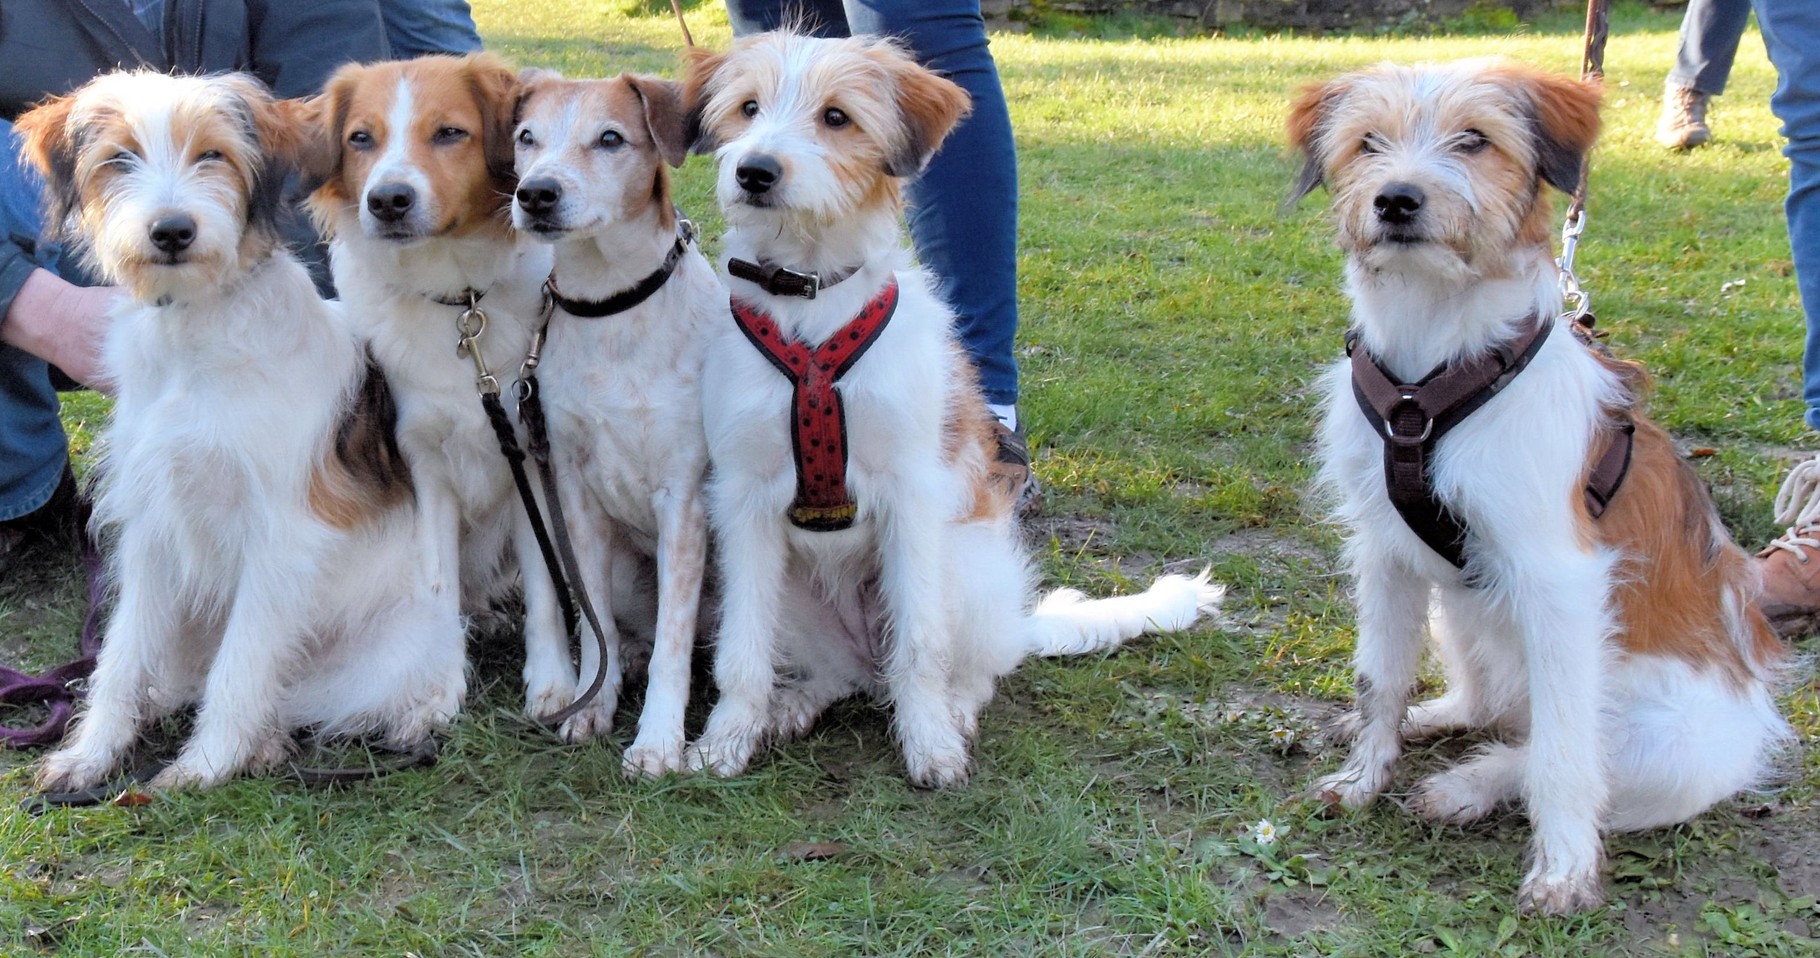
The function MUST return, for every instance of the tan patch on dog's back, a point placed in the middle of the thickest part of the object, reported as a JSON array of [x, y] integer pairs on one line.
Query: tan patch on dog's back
[[970, 443]]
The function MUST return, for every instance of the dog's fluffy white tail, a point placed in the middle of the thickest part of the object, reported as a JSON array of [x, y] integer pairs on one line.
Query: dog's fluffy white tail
[[1066, 622]]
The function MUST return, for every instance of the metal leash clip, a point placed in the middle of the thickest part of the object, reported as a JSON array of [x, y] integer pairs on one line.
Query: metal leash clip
[[1577, 299], [469, 327]]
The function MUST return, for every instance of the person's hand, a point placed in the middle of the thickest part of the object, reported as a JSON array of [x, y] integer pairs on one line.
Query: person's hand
[[62, 324]]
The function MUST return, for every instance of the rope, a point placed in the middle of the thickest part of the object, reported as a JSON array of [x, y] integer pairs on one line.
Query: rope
[[688, 38]]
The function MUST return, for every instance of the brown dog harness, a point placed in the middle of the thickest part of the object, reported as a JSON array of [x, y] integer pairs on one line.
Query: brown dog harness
[[818, 420], [1413, 418]]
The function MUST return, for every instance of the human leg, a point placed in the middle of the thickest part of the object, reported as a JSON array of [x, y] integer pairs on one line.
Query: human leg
[[1791, 32], [1710, 32], [33, 449]]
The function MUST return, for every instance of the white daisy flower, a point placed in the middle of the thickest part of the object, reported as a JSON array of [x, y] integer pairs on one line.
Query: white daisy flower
[[1282, 737], [1264, 832]]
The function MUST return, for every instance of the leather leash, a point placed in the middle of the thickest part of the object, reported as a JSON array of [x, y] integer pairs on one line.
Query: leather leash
[[470, 326]]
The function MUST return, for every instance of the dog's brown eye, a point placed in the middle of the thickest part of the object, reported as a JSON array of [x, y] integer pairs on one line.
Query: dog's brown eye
[[525, 138], [1472, 141], [611, 139], [449, 134], [208, 156], [360, 140], [835, 118], [749, 108], [1368, 145], [124, 156]]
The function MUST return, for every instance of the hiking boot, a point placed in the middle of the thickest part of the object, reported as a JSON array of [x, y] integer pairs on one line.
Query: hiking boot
[[1010, 468], [1791, 576], [1683, 124], [57, 517]]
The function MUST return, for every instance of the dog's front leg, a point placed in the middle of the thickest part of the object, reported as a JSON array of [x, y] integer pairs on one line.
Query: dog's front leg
[[1393, 612], [753, 557], [136, 649], [682, 554], [238, 725], [1561, 613], [920, 649]]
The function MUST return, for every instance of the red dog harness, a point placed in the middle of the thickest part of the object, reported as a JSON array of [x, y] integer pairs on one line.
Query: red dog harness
[[818, 420]]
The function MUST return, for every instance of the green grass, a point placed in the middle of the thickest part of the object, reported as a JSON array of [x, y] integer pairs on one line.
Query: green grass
[[1173, 320]]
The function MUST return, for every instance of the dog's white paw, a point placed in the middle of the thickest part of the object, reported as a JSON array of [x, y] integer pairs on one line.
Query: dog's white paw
[[424, 719], [721, 755], [75, 769], [593, 721], [1350, 787], [936, 755], [1343, 728], [546, 699], [653, 756], [1561, 894], [1453, 797]]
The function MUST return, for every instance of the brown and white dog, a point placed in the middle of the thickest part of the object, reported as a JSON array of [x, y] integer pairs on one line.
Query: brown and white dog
[[635, 305], [1621, 657], [412, 168], [265, 558], [897, 571]]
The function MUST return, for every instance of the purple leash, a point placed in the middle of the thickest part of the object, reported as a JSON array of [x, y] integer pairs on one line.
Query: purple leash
[[52, 688]]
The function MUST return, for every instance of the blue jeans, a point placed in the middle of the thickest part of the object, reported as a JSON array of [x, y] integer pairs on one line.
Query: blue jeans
[[33, 449], [963, 209], [1710, 31], [416, 27], [1791, 32]]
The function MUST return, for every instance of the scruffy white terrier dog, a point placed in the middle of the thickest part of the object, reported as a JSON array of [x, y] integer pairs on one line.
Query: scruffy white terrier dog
[[1587, 603], [264, 552], [861, 546]]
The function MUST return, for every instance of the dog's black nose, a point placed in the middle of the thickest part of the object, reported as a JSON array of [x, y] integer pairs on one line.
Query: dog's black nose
[[539, 195], [174, 234], [389, 202], [757, 173], [1399, 202]]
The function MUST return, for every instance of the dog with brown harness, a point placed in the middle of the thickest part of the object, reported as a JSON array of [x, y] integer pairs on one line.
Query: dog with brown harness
[[1505, 495]]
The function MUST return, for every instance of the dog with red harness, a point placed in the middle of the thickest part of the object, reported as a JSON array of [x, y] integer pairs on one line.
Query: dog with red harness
[[862, 547]]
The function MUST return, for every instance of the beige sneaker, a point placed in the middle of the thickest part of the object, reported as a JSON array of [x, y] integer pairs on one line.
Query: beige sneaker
[[1683, 124], [1791, 577]]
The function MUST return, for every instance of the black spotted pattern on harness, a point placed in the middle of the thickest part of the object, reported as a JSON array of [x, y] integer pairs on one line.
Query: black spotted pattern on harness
[[818, 419]]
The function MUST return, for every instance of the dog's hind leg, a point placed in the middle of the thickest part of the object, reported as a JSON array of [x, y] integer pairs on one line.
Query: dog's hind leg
[[1474, 788]]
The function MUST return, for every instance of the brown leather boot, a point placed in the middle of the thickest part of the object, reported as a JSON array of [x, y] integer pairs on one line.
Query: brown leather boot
[[1683, 123], [1791, 574]]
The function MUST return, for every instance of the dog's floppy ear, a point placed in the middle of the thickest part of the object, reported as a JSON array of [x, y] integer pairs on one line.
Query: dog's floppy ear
[[1308, 117], [528, 80], [316, 148], [929, 104], [665, 116], [701, 67], [1564, 114], [495, 86], [278, 137], [49, 146]]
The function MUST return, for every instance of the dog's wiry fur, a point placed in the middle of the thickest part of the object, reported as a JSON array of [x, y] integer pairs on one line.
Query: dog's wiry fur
[[1622, 656], [925, 601], [622, 392], [264, 561], [411, 168]]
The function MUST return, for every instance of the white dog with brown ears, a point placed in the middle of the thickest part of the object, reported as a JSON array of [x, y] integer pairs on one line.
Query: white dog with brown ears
[[413, 179], [1587, 602], [635, 305], [265, 561], [861, 546]]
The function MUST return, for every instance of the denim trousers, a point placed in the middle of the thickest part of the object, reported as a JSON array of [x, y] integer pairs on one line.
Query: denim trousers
[[1791, 32], [1710, 31], [416, 27], [33, 449], [963, 209]]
